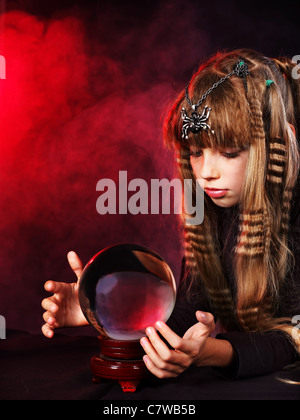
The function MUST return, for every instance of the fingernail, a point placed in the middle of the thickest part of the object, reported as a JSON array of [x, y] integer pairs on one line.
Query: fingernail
[[143, 341], [149, 331], [203, 316], [159, 324]]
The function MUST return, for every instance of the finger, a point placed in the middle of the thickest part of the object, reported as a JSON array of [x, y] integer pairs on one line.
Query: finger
[[53, 286], [172, 338], [49, 318], [160, 373], [206, 319], [49, 285], [183, 348], [158, 344], [47, 331], [50, 305], [75, 263], [202, 329], [166, 359]]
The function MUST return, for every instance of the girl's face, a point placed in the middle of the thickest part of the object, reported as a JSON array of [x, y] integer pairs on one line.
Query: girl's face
[[220, 173]]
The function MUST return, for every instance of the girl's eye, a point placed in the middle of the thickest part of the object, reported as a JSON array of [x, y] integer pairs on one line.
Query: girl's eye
[[231, 155], [195, 153], [227, 154]]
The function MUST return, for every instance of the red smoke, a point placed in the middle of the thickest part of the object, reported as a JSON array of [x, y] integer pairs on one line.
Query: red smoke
[[70, 115]]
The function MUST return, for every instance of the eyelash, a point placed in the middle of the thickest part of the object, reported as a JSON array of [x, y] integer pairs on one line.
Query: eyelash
[[231, 155], [195, 154]]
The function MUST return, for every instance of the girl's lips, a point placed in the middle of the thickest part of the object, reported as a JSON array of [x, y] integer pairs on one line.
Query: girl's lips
[[215, 192]]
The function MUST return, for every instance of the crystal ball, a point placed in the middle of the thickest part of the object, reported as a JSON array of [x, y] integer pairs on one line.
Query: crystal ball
[[124, 289]]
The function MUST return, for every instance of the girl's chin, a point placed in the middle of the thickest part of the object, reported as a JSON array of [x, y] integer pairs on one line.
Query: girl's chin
[[225, 202]]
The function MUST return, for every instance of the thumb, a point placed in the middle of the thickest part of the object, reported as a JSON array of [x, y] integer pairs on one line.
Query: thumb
[[75, 263], [207, 319]]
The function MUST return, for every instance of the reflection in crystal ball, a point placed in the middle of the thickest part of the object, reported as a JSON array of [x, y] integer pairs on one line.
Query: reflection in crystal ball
[[126, 288]]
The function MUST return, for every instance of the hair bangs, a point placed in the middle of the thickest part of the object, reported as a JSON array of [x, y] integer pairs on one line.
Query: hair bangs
[[229, 118]]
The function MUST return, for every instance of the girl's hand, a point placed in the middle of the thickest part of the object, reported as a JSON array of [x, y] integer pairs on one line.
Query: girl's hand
[[62, 308], [166, 363]]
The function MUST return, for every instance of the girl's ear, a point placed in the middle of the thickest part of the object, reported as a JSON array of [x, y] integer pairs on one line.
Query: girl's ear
[[293, 129]]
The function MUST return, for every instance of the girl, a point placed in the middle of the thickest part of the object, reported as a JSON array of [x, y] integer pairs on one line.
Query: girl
[[234, 130]]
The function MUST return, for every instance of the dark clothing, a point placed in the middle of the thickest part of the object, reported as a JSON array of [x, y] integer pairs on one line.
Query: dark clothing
[[255, 353]]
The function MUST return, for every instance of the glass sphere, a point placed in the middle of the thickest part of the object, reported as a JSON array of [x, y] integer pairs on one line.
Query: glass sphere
[[124, 289]]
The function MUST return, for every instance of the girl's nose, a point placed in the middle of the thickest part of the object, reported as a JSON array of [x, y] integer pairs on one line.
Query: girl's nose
[[209, 166]]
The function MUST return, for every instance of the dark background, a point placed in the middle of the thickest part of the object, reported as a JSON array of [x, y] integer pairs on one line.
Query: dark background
[[86, 87]]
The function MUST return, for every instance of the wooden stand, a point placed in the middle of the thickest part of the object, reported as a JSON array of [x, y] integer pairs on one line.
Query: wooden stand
[[121, 361]]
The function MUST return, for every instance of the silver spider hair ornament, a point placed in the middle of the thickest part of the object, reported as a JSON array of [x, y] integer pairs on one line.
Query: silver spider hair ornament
[[197, 122]]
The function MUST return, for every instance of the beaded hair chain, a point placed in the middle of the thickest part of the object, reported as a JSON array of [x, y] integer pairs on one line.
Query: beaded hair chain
[[198, 121]]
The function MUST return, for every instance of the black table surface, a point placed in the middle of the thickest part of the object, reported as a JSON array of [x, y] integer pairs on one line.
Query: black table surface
[[33, 367]]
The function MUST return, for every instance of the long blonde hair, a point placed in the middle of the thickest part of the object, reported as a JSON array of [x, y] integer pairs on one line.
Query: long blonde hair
[[257, 120]]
